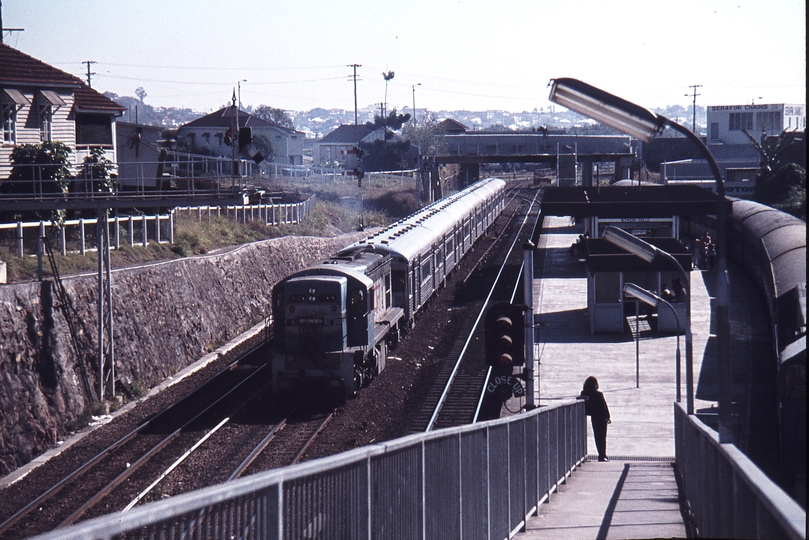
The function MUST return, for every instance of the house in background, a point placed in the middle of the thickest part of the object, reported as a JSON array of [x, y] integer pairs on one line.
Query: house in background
[[39, 102], [337, 148], [450, 125], [209, 135], [139, 154]]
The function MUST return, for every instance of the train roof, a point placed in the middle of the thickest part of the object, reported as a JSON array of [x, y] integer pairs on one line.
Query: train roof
[[355, 261], [783, 237], [406, 237]]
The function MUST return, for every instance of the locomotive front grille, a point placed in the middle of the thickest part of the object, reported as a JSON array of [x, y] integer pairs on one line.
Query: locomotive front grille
[[311, 337]]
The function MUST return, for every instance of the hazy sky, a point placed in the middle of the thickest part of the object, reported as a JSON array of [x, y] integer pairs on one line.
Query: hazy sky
[[467, 54]]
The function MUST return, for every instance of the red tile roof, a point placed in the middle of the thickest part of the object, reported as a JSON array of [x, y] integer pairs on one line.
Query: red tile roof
[[88, 100], [223, 118], [19, 69]]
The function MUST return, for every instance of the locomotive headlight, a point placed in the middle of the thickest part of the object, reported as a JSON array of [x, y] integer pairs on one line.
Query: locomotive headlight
[[313, 298], [334, 308], [312, 291]]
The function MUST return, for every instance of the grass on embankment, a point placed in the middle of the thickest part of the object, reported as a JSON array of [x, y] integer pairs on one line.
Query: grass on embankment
[[334, 213]]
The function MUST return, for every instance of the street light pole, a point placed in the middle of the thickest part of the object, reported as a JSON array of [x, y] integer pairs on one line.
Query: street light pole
[[648, 253], [415, 120], [650, 298], [240, 92], [645, 125]]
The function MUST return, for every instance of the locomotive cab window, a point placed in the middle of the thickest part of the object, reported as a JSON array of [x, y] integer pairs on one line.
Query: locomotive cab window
[[357, 298]]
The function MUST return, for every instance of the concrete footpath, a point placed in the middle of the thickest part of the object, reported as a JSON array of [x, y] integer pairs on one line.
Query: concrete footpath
[[634, 495]]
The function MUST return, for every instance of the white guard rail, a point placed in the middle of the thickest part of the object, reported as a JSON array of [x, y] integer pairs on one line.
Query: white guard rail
[[728, 495], [478, 481]]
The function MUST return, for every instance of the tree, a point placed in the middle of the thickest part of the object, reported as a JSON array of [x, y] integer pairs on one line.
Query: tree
[[778, 184], [41, 170], [141, 93], [276, 117], [428, 137], [96, 173], [388, 76], [263, 144], [392, 121], [386, 154]]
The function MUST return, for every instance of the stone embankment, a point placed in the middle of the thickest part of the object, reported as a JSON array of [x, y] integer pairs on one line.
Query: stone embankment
[[165, 316]]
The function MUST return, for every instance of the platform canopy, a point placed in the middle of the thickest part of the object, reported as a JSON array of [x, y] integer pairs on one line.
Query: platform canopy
[[644, 201]]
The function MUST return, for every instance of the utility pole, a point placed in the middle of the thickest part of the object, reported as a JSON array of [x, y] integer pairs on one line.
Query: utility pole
[[9, 30], [355, 66], [694, 107], [415, 121], [89, 74]]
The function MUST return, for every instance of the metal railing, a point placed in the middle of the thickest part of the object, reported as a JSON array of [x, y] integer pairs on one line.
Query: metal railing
[[477, 481], [140, 230], [177, 175], [728, 495], [270, 213]]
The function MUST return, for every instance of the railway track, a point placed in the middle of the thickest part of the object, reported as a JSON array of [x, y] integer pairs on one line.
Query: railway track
[[457, 396], [231, 444], [131, 460]]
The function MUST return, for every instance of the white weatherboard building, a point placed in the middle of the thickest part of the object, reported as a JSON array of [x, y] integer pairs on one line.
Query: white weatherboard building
[[727, 123]]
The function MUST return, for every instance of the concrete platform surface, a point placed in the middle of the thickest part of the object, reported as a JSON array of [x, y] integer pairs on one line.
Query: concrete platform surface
[[611, 500]]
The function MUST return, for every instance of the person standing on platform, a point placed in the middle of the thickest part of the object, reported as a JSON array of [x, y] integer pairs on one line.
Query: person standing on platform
[[595, 406]]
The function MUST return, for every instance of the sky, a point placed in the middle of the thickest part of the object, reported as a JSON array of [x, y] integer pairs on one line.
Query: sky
[[446, 54]]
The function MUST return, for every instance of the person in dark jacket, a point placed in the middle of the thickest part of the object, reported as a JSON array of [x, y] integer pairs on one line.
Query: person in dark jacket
[[595, 406]]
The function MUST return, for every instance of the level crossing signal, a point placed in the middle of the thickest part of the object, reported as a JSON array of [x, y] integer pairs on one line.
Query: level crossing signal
[[504, 328]]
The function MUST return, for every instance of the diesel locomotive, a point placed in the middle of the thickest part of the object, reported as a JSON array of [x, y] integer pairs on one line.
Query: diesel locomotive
[[335, 320]]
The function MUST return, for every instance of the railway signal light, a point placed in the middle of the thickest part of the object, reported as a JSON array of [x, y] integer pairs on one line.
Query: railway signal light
[[245, 137], [504, 330]]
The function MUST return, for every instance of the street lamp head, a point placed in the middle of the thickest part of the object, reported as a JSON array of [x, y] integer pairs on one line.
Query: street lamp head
[[631, 243], [606, 108], [647, 297]]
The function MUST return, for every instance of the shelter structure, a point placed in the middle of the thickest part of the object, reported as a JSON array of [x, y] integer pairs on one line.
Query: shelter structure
[[652, 212]]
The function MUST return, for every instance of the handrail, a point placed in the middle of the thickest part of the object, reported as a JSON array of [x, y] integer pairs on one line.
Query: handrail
[[728, 495], [476, 481]]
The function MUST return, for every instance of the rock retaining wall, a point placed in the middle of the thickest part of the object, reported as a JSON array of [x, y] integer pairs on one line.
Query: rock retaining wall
[[165, 316]]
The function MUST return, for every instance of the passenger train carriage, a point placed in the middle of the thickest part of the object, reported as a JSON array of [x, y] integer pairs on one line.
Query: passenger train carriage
[[335, 320]]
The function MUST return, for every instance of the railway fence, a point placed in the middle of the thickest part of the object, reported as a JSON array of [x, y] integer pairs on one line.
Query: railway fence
[[79, 235], [475, 481]]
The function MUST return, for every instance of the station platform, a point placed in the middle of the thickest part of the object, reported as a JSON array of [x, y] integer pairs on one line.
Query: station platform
[[634, 495]]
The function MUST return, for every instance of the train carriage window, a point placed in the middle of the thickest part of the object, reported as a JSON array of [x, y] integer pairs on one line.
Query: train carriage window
[[426, 271]]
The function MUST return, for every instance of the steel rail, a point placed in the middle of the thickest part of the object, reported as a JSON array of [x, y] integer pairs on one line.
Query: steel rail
[[455, 369], [311, 439], [257, 450], [129, 471], [77, 473]]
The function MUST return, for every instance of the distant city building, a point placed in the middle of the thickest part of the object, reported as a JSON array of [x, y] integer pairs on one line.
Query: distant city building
[[734, 153], [727, 123]]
